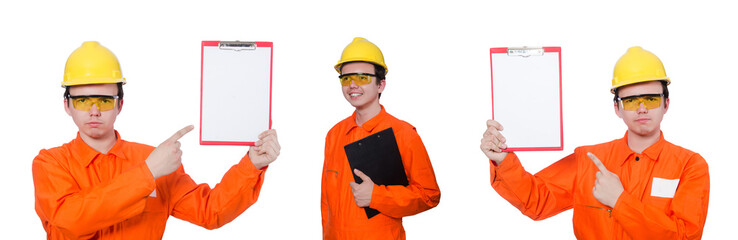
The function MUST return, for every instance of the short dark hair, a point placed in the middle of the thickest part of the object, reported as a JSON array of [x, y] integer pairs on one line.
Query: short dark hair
[[379, 71], [120, 91], [663, 86]]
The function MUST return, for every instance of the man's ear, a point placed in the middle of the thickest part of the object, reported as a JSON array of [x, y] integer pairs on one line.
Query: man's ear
[[120, 105], [66, 107], [617, 109], [381, 86], [666, 105]]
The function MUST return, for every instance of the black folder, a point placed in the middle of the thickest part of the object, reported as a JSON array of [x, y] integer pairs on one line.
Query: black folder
[[378, 157]]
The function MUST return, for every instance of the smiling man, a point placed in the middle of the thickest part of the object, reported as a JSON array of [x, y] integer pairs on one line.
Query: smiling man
[[362, 75], [99, 186], [637, 187]]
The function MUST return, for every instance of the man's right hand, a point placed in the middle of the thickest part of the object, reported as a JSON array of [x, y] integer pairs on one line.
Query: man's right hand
[[493, 142], [167, 157]]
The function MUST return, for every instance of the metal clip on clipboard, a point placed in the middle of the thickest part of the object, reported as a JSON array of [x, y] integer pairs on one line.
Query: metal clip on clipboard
[[525, 52], [237, 45]]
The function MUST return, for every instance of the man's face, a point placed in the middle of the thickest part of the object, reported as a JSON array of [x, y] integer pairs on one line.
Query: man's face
[[94, 124], [642, 121], [361, 96]]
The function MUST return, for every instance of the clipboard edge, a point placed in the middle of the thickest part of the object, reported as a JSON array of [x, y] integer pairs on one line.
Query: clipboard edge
[[215, 43], [529, 149], [226, 143]]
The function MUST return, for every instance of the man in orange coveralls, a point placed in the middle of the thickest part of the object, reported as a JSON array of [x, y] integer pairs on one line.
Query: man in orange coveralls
[[636, 187], [103, 187], [362, 72]]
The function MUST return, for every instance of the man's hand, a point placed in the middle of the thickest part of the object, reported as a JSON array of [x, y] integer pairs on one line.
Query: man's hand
[[362, 192], [167, 157], [265, 150], [607, 187], [493, 142]]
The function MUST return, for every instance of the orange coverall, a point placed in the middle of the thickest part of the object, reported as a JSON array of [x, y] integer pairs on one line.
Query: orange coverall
[[342, 218], [84, 194], [637, 214]]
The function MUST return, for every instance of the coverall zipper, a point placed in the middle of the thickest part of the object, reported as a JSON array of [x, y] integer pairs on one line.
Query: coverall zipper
[[609, 211]]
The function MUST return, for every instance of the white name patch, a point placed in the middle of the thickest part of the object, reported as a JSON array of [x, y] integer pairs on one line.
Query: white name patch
[[665, 188]]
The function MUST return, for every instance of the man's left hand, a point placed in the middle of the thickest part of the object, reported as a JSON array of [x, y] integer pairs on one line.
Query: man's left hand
[[265, 150], [362, 192], [607, 187]]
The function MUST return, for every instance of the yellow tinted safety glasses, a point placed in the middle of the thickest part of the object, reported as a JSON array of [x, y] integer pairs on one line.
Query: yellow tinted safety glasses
[[632, 103], [358, 78], [85, 102]]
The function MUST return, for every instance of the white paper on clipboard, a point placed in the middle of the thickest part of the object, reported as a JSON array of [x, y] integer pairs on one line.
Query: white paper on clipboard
[[235, 104], [526, 97]]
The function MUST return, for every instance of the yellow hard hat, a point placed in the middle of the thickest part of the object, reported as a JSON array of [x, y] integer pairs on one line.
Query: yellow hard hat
[[92, 64], [361, 50], [638, 65]]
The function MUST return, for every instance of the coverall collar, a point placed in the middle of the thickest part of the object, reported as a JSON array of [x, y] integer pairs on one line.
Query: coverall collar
[[368, 125], [652, 152], [85, 154]]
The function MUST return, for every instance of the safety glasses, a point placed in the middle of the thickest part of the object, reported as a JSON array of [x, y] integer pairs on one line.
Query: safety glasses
[[85, 102], [358, 78], [632, 103]]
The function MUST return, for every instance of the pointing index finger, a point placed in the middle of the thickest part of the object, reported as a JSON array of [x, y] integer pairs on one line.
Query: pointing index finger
[[597, 162], [179, 134]]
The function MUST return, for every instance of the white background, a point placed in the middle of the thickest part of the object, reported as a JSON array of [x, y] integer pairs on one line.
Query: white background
[[439, 80]]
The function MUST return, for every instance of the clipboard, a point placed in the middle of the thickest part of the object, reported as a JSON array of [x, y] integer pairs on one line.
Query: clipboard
[[378, 157], [235, 92], [526, 97]]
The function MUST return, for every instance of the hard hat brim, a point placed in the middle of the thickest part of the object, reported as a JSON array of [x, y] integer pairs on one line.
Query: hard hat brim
[[78, 82], [612, 89], [341, 63]]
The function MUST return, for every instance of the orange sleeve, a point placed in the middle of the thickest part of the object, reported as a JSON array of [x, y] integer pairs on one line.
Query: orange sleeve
[[76, 212], [212, 208], [538, 196], [686, 217], [324, 211], [422, 192]]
